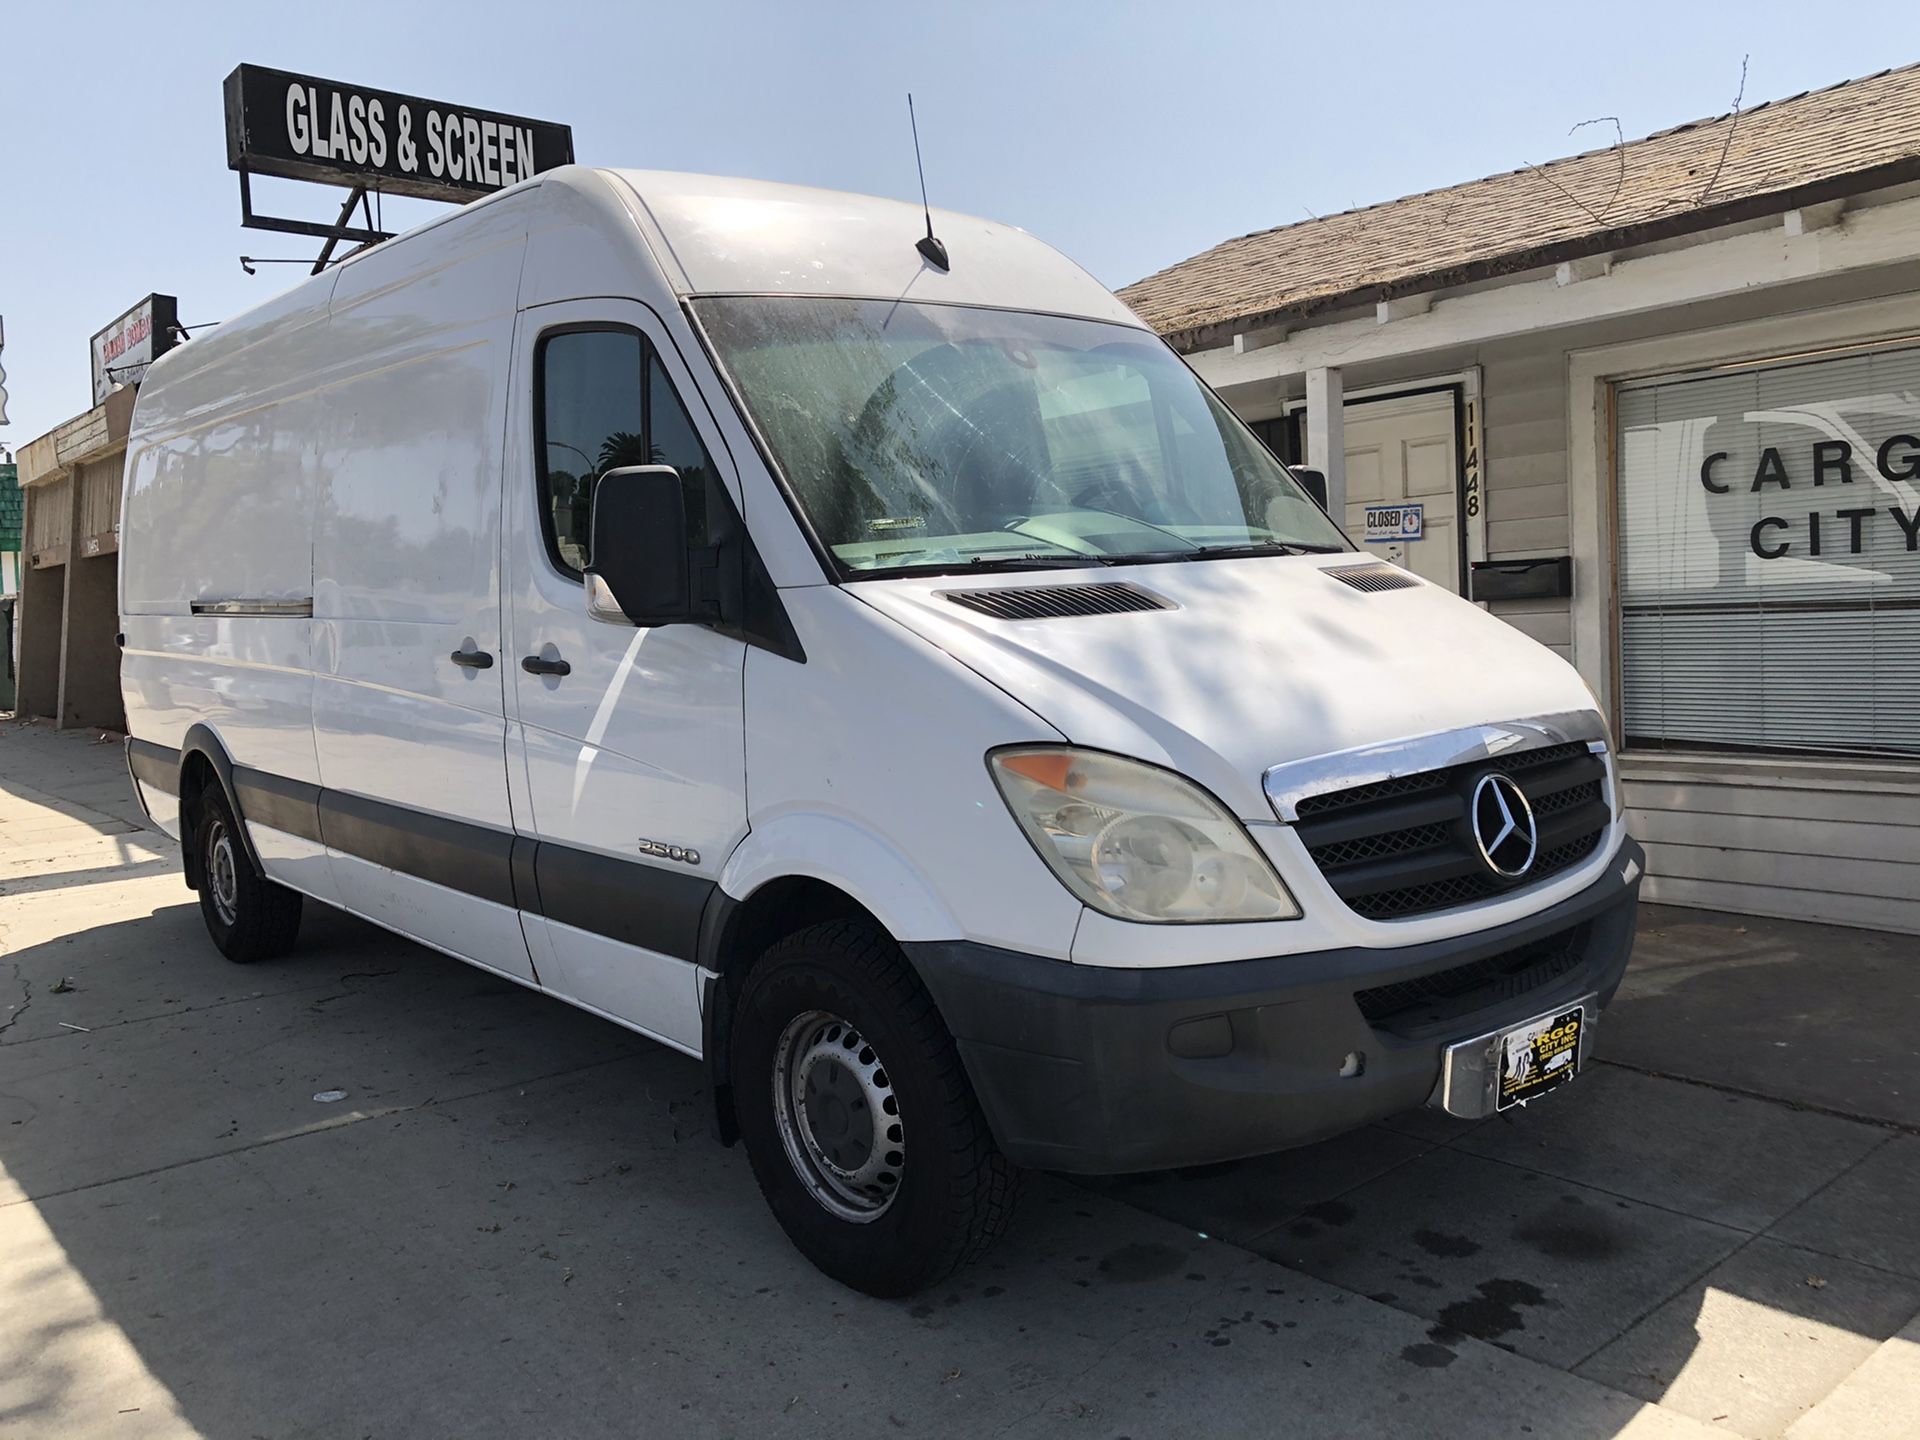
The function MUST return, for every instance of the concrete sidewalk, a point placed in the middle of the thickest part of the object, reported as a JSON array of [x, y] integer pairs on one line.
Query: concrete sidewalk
[[514, 1223]]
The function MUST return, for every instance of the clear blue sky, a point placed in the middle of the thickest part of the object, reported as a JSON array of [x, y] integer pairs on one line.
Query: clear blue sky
[[1130, 135]]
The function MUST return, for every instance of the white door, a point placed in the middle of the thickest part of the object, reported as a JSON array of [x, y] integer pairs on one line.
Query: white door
[[409, 718], [1401, 453], [631, 742]]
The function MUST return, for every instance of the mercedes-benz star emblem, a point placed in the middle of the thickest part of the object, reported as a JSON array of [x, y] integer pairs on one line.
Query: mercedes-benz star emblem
[[1503, 826]]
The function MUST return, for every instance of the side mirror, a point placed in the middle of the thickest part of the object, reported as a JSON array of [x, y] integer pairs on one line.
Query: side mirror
[[640, 572], [1313, 482]]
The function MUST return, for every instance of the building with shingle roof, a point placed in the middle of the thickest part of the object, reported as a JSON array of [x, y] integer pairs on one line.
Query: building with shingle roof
[[1658, 405], [1818, 147]]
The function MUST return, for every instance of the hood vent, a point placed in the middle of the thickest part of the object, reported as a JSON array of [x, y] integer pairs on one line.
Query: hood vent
[[1053, 602], [1371, 577]]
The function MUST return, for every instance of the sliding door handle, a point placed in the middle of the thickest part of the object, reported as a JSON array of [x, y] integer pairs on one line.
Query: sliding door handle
[[472, 659], [540, 665]]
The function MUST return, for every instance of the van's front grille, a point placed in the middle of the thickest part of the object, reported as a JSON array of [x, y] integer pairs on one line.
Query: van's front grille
[[1405, 846], [1447, 994]]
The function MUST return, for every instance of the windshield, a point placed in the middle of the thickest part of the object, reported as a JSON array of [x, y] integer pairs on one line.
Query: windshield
[[946, 437]]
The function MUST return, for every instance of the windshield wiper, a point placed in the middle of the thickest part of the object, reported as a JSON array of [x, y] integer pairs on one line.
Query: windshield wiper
[[1064, 560], [1034, 562], [1262, 547]]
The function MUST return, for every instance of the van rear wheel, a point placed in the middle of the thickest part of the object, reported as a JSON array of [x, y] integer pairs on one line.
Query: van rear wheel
[[249, 917], [863, 1132]]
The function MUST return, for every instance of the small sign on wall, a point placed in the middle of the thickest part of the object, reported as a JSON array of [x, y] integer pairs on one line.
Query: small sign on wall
[[1391, 524], [123, 351]]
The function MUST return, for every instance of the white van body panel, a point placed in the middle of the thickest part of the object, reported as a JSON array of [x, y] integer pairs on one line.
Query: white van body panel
[[222, 471], [293, 860], [451, 921], [406, 543], [654, 994], [844, 854], [1260, 661], [883, 736], [246, 678]]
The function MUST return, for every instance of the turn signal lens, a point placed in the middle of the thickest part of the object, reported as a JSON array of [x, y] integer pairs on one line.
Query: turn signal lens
[[1136, 841]]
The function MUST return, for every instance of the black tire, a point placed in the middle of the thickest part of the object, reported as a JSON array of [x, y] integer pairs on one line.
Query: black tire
[[953, 1192], [249, 917]]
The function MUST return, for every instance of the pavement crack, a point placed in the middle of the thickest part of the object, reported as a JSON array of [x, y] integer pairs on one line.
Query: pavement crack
[[26, 999], [1744, 1093]]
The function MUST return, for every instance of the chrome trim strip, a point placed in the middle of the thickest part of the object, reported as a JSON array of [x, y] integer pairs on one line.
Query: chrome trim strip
[[297, 609], [1288, 784]]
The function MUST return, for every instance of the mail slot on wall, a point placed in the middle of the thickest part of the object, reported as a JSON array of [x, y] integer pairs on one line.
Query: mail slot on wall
[[1550, 578]]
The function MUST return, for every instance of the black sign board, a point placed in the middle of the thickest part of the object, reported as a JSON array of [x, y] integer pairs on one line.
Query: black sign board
[[304, 128]]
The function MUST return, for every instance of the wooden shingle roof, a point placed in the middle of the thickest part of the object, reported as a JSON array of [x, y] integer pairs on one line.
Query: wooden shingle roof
[[1824, 145]]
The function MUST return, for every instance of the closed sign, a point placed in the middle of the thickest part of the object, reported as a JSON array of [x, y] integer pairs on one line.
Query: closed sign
[[1387, 524]]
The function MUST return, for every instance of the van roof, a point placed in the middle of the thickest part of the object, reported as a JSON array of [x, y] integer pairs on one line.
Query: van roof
[[710, 235], [733, 236]]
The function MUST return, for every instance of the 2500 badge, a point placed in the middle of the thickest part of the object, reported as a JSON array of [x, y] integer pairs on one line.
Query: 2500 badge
[[660, 850]]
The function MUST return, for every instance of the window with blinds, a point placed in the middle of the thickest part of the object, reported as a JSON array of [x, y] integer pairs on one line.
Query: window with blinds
[[1769, 525]]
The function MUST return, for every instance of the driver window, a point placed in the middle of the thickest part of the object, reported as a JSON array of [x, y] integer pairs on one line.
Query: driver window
[[605, 401]]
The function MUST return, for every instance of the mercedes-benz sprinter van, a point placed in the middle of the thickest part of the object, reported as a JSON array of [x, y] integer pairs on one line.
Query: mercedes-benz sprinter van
[[876, 668]]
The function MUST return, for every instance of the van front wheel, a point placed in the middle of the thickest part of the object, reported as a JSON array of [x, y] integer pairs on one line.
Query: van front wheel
[[858, 1119], [249, 917]]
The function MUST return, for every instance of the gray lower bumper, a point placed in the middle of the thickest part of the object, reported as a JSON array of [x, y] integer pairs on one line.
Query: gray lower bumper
[[1094, 1070]]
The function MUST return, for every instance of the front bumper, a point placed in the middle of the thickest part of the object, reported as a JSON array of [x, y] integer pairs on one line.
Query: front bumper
[[1096, 1070]]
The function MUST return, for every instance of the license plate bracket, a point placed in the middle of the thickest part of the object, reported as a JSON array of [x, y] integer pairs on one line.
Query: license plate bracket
[[1509, 1067]]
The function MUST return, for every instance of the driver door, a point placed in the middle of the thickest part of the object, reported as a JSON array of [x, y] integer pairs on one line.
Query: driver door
[[631, 743]]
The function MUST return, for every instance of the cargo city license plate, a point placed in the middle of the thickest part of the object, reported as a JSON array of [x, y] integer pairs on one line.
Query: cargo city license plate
[[1539, 1055]]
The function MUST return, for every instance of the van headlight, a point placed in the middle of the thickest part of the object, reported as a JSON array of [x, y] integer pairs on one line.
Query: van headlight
[[1136, 841]]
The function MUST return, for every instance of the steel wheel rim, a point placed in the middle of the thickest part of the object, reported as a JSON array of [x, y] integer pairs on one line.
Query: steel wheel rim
[[223, 874], [838, 1116]]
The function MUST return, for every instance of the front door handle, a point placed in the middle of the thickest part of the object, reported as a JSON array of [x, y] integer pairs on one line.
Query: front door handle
[[472, 659], [540, 665]]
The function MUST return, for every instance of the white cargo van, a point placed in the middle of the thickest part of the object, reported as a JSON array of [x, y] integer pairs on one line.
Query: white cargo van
[[886, 675]]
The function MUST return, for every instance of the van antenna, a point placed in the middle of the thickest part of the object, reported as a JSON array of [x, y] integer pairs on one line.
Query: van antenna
[[929, 244]]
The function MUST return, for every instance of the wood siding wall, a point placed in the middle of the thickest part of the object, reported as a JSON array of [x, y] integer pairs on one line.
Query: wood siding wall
[[100, 504], [1525, 408], [49, 518], [1843, 848]]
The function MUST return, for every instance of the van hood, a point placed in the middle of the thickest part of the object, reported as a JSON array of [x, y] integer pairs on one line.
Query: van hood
[[1254, 662]]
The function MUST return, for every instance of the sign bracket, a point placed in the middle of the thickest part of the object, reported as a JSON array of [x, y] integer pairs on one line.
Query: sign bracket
[[332, 234], [355, 196]]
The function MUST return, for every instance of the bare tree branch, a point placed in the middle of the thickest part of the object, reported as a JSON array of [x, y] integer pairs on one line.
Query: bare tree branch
[[1714, 179], [1619, 150], [1566, 192]]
